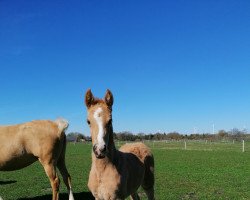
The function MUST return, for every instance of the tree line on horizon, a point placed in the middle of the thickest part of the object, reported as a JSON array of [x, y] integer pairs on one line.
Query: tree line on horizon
[[234, 134]]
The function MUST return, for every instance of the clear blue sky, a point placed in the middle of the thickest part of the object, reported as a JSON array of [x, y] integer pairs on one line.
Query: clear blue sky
[[171, 65]]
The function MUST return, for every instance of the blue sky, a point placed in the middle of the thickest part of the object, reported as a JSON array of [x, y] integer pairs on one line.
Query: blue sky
[[171, 65]]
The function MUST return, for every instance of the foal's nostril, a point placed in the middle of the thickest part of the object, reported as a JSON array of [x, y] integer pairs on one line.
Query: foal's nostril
[[103, 149]]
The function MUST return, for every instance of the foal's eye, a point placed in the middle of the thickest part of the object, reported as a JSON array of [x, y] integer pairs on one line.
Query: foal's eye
[[88, 122]]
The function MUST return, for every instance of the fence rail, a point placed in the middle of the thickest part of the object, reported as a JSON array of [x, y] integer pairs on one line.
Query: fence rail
[[200, 145], [205, 145]]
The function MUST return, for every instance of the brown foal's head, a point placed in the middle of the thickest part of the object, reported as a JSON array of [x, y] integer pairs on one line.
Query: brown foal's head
[[100, 121]]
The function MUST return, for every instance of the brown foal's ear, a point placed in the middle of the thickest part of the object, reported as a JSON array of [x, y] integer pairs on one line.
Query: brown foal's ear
[[109, 98], [89, 98]]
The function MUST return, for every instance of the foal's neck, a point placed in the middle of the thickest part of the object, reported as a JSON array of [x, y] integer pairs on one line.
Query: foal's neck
[[111, 155]]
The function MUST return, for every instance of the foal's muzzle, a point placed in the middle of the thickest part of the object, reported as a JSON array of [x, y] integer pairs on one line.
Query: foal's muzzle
[[100, 152]]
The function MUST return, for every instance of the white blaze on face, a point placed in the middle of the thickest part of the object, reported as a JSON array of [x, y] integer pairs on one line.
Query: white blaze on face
[[98, 118]]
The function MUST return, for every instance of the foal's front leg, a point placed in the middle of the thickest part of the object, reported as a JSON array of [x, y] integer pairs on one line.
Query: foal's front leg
[[93, 183]]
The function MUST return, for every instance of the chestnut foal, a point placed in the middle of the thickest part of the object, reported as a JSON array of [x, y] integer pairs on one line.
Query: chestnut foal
[[115, 174]]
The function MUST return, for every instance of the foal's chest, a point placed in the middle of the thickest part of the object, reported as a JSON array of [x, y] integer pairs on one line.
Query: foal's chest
[[108, 186], [106, 192]]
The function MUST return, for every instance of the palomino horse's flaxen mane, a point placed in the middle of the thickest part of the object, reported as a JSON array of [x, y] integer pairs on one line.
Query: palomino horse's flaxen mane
[[115, 174], [43, 140]]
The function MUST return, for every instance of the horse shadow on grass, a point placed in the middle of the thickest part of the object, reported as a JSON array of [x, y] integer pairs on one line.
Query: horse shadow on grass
[[64, 196], [6, 182]]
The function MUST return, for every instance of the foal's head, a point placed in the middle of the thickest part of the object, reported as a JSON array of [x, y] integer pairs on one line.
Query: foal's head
[[100, 121]]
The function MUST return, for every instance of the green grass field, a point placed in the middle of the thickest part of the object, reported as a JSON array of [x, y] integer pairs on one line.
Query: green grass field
[[203, 171]]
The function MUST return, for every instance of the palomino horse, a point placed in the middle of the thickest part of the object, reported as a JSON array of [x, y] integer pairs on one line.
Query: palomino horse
[[43, 140], [115, 174]]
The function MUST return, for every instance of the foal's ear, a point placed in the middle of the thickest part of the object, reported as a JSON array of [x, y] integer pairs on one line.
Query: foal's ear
[[109, 98], [89, 98]]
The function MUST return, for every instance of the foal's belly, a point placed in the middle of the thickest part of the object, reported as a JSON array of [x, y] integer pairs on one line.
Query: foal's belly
[[18, 162]]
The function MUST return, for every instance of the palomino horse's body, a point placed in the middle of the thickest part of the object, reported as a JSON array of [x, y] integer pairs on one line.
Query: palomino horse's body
[[115, 174], [43, 140]]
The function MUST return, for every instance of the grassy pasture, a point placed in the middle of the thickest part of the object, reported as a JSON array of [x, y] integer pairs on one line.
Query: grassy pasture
[[204, 171]]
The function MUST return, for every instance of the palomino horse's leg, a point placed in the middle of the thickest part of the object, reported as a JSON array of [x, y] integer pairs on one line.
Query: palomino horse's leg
[[134, 196], [54, 179], [66, 177]]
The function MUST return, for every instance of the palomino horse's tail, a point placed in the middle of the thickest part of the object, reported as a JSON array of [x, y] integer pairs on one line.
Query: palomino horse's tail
[[62, 124]]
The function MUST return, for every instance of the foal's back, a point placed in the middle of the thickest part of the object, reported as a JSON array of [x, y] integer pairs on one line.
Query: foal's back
[[138, 148], [144, 154]]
